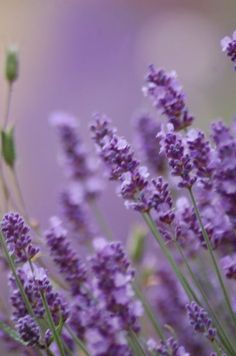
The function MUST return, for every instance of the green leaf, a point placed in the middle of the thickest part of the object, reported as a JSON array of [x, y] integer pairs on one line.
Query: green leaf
[[8, 147], [11, 333]]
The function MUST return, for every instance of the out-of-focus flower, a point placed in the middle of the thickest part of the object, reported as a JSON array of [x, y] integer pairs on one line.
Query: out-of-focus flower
[[28, 330], [147, 129], [167, 347], [79, 165], [114, 277], [228, 45], [64, 256], [200, 320], [229, 266]]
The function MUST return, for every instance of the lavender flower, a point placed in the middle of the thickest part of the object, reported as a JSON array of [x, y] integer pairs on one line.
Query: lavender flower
[[28, 330], [79, 165], [63, 255], [147, 129], [228, 46], [229, 266], [75, 212], [104, 336], [35, 284], [200, 320], [166, 348], [17, 236], [113, 282], [167, 96], [225, 168], [122, 166], [178, 157]]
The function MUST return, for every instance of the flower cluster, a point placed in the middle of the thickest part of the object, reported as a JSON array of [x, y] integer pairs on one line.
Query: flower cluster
[[113, 280], [200, 320], [17, 236], [228, 45], [147, 129], [167, 347], [167, 96], [64, 257]]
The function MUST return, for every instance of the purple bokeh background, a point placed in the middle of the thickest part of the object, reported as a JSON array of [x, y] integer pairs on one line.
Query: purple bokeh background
[[83, 56]]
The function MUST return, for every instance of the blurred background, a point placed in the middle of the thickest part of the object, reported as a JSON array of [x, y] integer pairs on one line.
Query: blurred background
[[83, 56]]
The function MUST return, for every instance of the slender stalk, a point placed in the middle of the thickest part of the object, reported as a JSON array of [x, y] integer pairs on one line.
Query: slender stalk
[[8, 105], [77, 340], [17, 279], [222, 335], [213, 258], [19, 192], [52, 326], [149, 312], [137, 345], [189, 291]]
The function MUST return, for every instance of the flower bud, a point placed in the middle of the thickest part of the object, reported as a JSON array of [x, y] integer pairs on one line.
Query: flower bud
[[136, 243], [12, 64]]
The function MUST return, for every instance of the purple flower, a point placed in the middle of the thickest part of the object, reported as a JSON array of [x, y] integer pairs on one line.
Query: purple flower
[[225, 168], [166, 348], [178, 157], [64, 257], [113, 149], [17, 236], [202, 155], [28, 330], [113, 280], [229, 266], [104, 336], [80, 166], [122, 166], [76, 214], [147, 129], [228, 46], [35, 284], [167, 96], [200, 320]]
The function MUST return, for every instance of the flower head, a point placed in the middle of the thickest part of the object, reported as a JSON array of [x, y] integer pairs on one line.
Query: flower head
[[17, 236], [167, 96]]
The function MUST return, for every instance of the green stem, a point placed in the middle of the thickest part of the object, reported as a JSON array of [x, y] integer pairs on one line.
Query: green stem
[[52, 325], [213, 259], [136, 343], [17, 279], [149, 312], [77, 340], [189, 291], [222, 335], [8, 105]]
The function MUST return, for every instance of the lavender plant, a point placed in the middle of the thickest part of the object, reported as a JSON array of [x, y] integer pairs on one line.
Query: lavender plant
[[174, 294]]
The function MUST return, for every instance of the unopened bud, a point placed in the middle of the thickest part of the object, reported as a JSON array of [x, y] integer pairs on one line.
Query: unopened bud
[[136, 243], [12, 64]]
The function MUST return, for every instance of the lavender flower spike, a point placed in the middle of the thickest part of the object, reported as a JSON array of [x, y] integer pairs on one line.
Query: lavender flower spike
[[167, 96], [228, 46], [28, 330], [122, 166], [168, 347], [63, 255], [147, 129], [114, 277], [200, 320], [17, 236]]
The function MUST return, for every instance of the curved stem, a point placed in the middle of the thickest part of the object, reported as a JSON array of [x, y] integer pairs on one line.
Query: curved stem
[[213, 258], [52, 325]]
